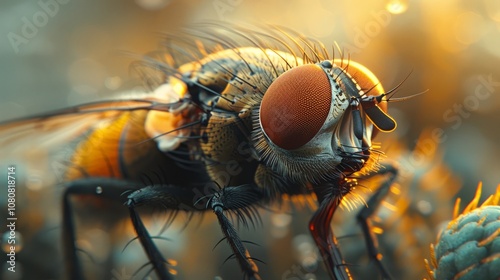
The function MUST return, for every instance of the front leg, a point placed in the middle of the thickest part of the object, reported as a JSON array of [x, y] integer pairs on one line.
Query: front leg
[[329, 197]]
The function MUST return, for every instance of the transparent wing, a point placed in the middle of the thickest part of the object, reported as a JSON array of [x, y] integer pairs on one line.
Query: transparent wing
[[42, 150], [62, 126]]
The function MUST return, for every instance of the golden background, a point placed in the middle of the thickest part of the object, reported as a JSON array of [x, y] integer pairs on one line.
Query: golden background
[[450, 48]]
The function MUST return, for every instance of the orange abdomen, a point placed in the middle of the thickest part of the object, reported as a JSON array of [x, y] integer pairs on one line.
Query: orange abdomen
[[115, 149]]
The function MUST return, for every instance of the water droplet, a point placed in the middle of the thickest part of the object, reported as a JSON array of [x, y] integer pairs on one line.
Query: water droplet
[[98, 190]]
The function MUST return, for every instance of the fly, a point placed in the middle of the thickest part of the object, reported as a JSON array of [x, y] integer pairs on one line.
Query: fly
[[238, 119]]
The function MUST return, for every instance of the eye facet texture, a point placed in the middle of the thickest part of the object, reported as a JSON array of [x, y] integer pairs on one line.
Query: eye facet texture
[[296, 106]]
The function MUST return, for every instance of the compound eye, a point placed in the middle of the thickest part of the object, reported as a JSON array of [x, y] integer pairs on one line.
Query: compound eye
[[295, 106]]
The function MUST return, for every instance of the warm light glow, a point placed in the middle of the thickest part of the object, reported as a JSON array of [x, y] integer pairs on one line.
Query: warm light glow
[[396, 6], [493, 9], [469, 28], [377, 230]]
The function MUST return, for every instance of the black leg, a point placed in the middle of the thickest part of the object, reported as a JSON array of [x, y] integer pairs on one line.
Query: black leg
[[371, 206], [168, 196], [100, 188], [159, 263], [239, 199]]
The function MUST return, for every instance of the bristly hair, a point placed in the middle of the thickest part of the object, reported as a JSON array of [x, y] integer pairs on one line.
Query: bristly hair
[[203, 39], [282, 49]]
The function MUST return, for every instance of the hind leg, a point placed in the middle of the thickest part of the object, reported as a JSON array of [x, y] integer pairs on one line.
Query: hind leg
[[99, 188]]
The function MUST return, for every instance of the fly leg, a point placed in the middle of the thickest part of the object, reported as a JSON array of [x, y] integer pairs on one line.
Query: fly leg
[[329, 197], [237, 199], [240, 200], [371, 206], [169, 197], [101, 188]]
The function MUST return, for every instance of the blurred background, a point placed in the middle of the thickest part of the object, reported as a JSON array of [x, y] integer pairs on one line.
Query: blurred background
[[60, 53]]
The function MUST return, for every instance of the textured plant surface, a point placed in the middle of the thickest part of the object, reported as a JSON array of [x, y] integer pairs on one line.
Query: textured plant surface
[[469, 247]]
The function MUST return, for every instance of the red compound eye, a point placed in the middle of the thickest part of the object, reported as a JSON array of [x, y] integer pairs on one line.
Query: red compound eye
[[295, 106]]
